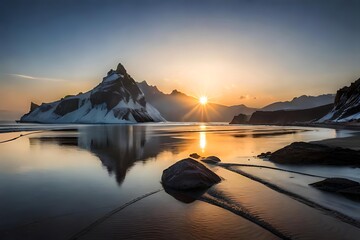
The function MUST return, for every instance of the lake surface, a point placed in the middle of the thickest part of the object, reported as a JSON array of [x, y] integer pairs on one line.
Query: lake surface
[[56, 184]]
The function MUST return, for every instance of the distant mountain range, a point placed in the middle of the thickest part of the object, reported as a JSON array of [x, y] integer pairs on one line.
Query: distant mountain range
[[283, 117], [179, 107], [117, 99], [302, 102], [345, 108]]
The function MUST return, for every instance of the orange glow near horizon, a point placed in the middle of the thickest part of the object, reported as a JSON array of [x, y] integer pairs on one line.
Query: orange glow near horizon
[[203, 108]]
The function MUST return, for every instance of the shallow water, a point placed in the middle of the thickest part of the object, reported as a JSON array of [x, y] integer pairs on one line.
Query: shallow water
[[53, 184]]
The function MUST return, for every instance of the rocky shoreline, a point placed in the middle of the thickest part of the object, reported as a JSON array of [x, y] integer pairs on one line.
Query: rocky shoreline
[[316, 153]]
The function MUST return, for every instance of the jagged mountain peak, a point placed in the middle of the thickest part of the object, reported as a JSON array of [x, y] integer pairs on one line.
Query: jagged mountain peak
[[347, 91], [121, 69], [116, 99]]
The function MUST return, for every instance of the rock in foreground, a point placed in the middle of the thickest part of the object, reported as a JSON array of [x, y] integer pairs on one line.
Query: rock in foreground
[[335, 184], [264, 155], [339, 185], [310, 153], [195, 155], [189, 174]]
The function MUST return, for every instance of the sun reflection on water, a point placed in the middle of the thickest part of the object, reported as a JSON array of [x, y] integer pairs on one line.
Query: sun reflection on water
[[203, 138]]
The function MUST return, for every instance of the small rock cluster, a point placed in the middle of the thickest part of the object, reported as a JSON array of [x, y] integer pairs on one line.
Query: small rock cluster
[[264, 155]]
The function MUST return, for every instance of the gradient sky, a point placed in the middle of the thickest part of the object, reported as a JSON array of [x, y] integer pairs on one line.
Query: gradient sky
[[235, 52]]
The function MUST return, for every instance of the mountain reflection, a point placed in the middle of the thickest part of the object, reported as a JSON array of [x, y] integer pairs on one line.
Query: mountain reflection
[[117, 147]]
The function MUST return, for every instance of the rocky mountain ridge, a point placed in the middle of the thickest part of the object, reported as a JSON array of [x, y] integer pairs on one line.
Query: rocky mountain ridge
[[117, 99], [346, 105], [302, 102]]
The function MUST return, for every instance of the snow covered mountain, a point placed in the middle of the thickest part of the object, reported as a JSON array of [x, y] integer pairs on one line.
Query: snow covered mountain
[[117, 99], [346, 105], [302, 102]]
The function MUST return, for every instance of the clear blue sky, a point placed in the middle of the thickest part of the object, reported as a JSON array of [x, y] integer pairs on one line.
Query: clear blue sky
[[252, 52]]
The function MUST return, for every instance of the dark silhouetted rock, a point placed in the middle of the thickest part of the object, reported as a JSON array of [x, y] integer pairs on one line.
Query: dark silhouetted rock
[[310, 153], [342, 186], [211, 159], [335, 184], [240, 119], [188, 174], [188, 196], [353, 192], [195, 155], [264, 155]]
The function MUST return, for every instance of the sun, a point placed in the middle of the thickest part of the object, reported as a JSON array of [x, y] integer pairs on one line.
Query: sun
[[203, 100]]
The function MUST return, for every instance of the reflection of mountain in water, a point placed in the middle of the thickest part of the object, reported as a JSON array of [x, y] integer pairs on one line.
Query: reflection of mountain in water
[[117, 147]]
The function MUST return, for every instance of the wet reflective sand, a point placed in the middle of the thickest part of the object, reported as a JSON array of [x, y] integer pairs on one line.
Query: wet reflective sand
[[54, 184]]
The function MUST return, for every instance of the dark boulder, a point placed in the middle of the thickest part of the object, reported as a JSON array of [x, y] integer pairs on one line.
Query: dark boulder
[[264, 155], [353, 192], [188, 196], [335, 184], [310, 153], [342, 186], [188, 174], [195, 155], [211, 160]]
